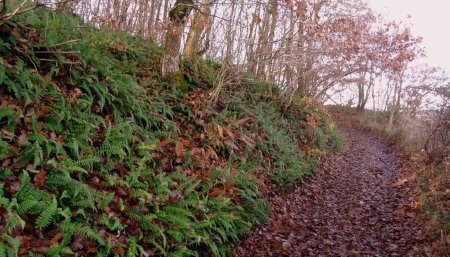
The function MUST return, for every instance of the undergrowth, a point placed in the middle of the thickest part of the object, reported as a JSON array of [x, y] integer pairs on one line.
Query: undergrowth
[[101, 156]]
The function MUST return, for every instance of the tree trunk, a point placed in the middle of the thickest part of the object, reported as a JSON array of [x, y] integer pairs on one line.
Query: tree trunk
[[262, 42], [361, 91], [151, 21], [251, 62], [273, 7], [230, 35], [396, 98], [288, 74], [301, 69], [201, 19], [177, 20]]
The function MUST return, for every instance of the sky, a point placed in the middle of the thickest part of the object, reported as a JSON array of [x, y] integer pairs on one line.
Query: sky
[[431, 21]]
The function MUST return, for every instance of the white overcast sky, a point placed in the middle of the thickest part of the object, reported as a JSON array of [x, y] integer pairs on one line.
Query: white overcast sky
[[431, 21]]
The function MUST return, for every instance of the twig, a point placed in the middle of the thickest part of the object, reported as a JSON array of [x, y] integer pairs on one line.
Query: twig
[[64, 43], [52, 60], [8, 16], [74, 27], [57, 52]]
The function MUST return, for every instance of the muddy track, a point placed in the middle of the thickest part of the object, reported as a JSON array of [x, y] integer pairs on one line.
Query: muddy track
[[362, 203]]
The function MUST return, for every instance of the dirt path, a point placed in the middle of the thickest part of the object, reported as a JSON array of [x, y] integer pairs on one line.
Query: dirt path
[[362, 203]]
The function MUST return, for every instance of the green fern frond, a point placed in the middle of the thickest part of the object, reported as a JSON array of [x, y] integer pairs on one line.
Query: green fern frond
[[12, 117], [47, 215], [106, 201], [178, 210], [9, 246], [70, 229]]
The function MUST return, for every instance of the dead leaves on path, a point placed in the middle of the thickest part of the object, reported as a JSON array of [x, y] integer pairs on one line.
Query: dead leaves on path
[[362, 203]]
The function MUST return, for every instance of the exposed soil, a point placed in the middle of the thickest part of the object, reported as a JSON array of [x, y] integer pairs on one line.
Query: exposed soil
[[363, 202]]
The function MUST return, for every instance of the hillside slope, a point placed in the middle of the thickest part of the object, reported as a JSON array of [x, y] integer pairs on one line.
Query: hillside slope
[[101, 156]]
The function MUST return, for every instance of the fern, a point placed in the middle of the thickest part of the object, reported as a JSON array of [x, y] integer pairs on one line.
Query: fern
[[12, 218], [9, 246], [47, 215], [11, 117], [106, 201], [78, 191], [4, 149], [112, 223], [134, 249], [69, 229]]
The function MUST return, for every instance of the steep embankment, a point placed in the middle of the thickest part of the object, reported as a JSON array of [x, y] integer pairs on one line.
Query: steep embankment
[[362, 203], [101, 155]]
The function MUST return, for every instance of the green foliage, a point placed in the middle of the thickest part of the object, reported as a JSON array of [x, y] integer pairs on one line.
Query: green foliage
[[47, 215], [10, 116], [279, 153], [84, 127], [209, 71], [190, 73], [179, 81]]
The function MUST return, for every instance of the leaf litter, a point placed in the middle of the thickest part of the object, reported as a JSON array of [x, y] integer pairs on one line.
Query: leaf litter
[[363, 202]]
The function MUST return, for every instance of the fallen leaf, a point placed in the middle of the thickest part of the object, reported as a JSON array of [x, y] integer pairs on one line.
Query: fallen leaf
[[40, 178], [216, 191], [231, 144], [119, 250], [186, 142], [164, 143], [179, 148], [6, 134], [243, 121], [247, 140], [56, 238], [23, 140], [220, 129], [228, 131]]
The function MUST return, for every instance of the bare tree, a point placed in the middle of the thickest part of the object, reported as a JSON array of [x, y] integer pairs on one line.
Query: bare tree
[[200, 22], [177, 15]]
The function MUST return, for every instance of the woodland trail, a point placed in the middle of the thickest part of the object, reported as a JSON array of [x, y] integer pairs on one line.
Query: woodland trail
[[363, 202]]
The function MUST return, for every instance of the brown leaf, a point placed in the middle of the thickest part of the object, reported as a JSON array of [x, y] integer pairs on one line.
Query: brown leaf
[[92, 249], [243, 121], [121, 168], [196, 151], [186, 142], [108, 119], [231, 144], [164, 143], [247, 140], [119, 250], [210, 153], [175, 195], [220, 129], [14, 187], [15, 32], [6, 162], [42, 111], [216, 191], [228, 131], [23, 140], [56, 238], [6, 134], [76, 92], [179, 148], [40, 178]]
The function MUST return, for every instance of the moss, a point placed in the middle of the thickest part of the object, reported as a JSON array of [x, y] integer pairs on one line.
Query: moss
[[178, 81]]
